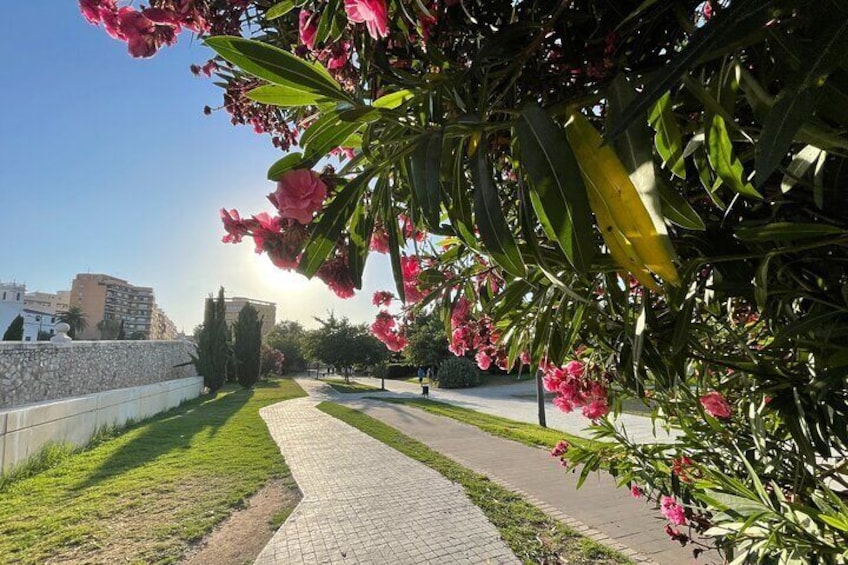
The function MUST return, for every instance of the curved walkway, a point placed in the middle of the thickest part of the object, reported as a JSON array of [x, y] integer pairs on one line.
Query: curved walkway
[[363, 502]]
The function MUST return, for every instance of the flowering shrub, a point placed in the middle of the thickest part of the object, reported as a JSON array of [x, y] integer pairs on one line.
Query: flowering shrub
[[695, 261], [272, 362]]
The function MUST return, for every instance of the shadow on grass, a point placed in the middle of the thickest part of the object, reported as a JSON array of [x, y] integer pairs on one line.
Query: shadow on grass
[[169, 431]]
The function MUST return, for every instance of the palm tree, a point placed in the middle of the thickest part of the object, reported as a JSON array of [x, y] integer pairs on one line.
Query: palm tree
[[75, 318]]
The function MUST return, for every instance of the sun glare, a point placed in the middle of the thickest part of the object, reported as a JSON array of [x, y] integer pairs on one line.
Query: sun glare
[[277, 279]]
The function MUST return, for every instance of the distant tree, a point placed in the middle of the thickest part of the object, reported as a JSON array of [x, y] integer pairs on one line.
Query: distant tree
[[203, 344], [225, 362], [247, 343], [109, 329], [44, 336], [138, 335], [287, 338], [342, 345], [213, 347], [75, 318], [15, 331], [122, 335], [427, 344]]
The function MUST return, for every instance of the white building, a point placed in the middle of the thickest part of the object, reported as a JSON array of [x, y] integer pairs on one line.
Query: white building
[[12, 305]]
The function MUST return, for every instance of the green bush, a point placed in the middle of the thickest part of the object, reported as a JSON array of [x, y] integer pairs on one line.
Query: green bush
[[400, 371], [457, 372]]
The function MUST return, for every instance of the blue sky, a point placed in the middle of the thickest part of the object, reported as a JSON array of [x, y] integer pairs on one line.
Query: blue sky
[[107, 164]]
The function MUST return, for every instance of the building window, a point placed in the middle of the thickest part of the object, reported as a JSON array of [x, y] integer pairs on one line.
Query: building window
[[38, 318], [28, 338], [4, 295], [19, 296]]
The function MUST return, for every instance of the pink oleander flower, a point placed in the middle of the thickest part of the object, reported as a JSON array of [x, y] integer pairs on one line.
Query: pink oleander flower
[[560, 448], [483, 360], [382, 298], [596, 409], [672, 511], [551, 382], [336, 274], [300, 193], [460, 337], [264, 227], [635, 491], [575, 368], [411, 268], [93, 10], [383, 329], [716, 405], [563, 404], [676, 535], [683, 467], [459, 314], [372, 13], [338, 55], [308, 28], [525, 358], [502, 361], [409, 230], [380, 240], [284, 248], [235, 227], [343, 152]]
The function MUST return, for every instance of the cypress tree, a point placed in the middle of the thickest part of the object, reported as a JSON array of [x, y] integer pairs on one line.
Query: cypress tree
[[15, 331], [206, 346], [247, 333], [122, 335], [221, 353]]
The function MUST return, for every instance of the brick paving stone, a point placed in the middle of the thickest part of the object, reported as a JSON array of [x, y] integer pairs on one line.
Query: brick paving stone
[[366, 503]]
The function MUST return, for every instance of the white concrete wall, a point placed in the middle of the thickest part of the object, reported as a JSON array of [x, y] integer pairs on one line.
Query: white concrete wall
[[24, 430]]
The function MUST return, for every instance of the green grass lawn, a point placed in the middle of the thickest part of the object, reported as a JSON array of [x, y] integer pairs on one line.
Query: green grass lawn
[[352, 387], [532, 535], [143, 495], [528, 434]]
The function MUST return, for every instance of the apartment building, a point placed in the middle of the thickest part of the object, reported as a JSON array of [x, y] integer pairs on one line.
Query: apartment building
[[104, 297], [48, 301], [267, 311], [161, 326]]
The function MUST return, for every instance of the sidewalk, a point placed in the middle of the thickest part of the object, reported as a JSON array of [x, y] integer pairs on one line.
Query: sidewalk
[[518, 402], [598, 509], [362, 502]]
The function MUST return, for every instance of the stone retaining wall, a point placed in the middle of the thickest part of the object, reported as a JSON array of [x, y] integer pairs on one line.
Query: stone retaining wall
[[41, 371], [24, 431]]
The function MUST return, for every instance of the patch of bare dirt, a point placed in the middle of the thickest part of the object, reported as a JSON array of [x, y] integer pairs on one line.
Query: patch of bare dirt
[[241, 537]]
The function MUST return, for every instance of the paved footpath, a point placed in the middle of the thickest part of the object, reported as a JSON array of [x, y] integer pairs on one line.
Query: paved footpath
[[366, 503], [518, 402]]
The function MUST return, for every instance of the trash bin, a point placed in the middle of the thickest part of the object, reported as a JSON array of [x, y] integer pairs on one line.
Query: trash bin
[[425, 390]]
